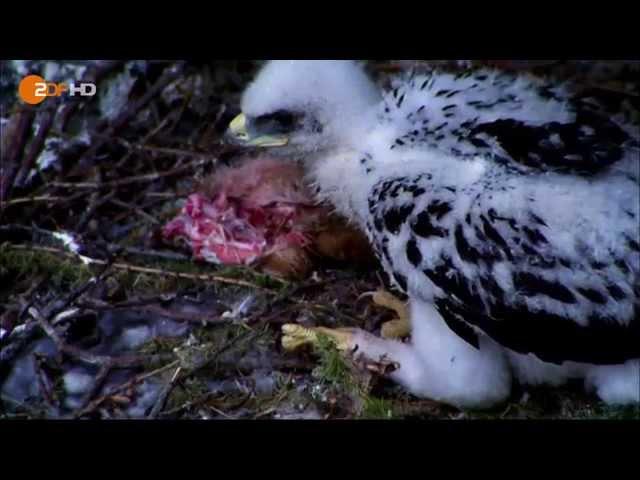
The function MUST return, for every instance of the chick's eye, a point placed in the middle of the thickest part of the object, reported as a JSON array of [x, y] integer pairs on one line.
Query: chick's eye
[[282, 121], [284, 118]]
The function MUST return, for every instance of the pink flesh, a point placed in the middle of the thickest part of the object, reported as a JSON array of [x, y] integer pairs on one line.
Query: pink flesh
[[255, 210]]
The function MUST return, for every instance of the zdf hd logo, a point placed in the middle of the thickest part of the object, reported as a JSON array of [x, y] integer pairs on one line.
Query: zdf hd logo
[[33, 89]]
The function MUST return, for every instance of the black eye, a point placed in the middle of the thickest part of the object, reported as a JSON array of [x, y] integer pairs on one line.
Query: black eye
[[284, 118], [280, 121]]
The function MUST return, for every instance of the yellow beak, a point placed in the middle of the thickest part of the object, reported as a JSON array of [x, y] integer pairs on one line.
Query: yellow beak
[[238, 132]]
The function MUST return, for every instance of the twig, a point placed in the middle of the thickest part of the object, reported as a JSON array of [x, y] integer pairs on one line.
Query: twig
[[149, 177], [188, 405], [164, 394], [135, 380], [249, 334], [171, 74], [22, 335], [33, 412], [149, 306], [96, 202], [59, 306], [94, 74], [97, 385], [164, 150], [109, 247], [151, 271], [36, 146], [20, 126], [124, 361], [156, 254], [137, 210], [165, 195], [42, 198], [43, 382], [143, 142]]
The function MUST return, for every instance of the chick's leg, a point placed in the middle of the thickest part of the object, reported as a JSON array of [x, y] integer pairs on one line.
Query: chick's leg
[[436, 364]]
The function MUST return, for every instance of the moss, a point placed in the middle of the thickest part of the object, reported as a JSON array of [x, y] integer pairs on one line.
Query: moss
[[608, 412], [332, 368], [154, 283], [187, 391], [62, 271], [160, 345], [377, 408], [338, 374]]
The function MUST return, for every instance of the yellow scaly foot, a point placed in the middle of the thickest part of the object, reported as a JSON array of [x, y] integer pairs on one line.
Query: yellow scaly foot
[[399, 327], [296, 336]]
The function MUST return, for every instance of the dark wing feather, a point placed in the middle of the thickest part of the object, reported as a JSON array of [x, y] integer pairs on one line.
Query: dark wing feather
[[585, 147], [578, 320]]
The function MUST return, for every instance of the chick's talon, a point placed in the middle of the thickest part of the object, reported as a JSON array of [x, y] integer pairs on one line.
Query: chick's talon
[[385, 299], [296, 336], [397, 328]]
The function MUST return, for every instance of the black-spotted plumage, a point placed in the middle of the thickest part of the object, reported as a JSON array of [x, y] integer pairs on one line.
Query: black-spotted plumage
[[534, 250], [505, 206]]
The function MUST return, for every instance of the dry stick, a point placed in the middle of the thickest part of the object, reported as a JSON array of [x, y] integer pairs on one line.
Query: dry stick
[[19, 339], [36, 145], [101, 305], [150, 306], [197, 367], [96, 202], [32, 411], [145, 139], [135, 380], [124, 361], [166, 195], [94, 74], [164, 394], [9, 159], [137, 210], [129, 180], [182, 317], [71, 198], [75, 294], [43, 383], [164, 150], [156, 254], [151, 271], [30, 330], [183, 107], [110, 246], [42, 198], [188, 405], [121, 120], [142, 206], [97, 385], [167, 390]]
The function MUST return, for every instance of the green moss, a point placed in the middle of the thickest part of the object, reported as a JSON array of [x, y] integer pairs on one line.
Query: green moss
[[188, 391], [377, 408], [160, 345], [332, 368], [337, 373], [154, 282], [62, 271], [607, 412]]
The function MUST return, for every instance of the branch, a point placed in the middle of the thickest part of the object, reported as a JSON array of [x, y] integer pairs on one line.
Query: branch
[[18, 130], [151, 271], [171, 74]]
